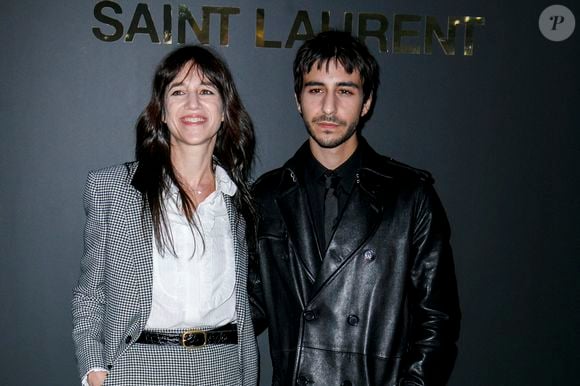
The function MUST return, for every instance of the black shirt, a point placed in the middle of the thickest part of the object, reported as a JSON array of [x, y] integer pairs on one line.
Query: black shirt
[[315, 189]]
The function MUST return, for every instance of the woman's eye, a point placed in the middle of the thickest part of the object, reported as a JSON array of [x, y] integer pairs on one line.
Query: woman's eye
[[206, 92], [177, 92]]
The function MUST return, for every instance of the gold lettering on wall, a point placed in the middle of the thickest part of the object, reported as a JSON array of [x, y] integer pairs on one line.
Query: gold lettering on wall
[[167, 25], [225, 13], [348, 22], [201, 33], [402, 31], [380, 33], [325, 23], [301, 19], [261, 34], [470, 23], [447, 42], [142, 13], [408, 34], [105, 19]]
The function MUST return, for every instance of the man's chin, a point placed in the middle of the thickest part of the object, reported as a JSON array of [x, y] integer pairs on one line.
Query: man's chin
[[331, 138], [329, 142]]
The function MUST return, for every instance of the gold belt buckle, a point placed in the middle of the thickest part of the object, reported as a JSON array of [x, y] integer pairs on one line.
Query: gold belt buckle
[[191, 332]]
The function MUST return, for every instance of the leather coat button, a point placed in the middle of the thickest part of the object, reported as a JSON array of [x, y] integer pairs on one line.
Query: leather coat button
[[128, 339], [309, 315], [346, 383], [370, 255], [353, 321], [109, 367]]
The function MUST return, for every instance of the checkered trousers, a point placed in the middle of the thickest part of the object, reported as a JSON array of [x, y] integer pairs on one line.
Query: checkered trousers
[[148, 364], [112, 300]]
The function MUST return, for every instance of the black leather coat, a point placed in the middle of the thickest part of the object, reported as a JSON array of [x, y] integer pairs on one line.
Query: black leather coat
[[380, 307]]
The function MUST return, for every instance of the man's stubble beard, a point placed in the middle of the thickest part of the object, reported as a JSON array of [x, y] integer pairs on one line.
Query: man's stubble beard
[[332, 142]]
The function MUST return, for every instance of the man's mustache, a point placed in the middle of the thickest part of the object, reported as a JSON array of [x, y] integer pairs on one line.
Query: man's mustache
[[328, 119]]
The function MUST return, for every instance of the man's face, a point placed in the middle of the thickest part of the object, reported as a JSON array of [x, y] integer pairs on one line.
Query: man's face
[[331, 104]]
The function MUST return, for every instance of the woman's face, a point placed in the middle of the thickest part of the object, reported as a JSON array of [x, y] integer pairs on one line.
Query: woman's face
[[193, 110]]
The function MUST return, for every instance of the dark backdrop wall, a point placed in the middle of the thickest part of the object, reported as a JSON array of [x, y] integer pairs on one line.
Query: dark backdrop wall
[[499, 129]]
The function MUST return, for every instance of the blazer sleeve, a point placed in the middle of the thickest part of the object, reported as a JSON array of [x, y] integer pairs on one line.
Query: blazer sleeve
[[88, 302], [433, 297]]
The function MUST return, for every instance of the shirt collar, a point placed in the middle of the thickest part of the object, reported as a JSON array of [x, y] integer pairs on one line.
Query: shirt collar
[[223, 182], [346, 171]]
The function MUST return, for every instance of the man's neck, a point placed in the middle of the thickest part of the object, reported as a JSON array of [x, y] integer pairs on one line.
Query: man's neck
[[332, 158]]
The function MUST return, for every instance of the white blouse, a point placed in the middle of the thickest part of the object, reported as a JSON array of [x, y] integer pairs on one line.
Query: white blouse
[[196, 288]]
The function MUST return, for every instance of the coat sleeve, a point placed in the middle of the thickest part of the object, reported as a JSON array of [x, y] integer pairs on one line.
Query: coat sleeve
[[255, 285], [433, 298], [256, 295], [88, 303]]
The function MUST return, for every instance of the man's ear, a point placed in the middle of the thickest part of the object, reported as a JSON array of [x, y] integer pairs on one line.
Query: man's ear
[[297, 104], [367, 106]]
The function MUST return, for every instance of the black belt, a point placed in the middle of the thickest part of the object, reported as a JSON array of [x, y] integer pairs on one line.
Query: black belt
[[227, 334]]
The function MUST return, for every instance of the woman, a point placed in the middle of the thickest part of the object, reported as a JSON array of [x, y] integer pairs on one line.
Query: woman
[[161, 298]]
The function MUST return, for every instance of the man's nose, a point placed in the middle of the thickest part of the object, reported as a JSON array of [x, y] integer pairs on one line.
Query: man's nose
[[329, 104]]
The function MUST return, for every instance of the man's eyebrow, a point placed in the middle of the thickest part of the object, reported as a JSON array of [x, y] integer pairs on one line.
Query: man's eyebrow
[[348, 84], [339, 84], [313, 83]]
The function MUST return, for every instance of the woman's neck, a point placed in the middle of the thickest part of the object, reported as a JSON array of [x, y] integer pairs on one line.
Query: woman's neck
[[195, 172]]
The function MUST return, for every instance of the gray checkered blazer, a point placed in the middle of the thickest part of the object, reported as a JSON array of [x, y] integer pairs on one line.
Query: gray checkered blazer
[[112, 300]]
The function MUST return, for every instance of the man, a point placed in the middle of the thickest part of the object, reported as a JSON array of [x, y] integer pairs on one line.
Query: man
[[356, 279]]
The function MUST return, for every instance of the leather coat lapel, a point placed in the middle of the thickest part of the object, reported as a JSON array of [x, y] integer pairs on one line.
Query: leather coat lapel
[[361, 217], [296, 214], [370, 200]]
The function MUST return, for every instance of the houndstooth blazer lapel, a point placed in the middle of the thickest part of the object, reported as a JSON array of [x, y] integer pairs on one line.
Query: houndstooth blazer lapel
[[140, 234]]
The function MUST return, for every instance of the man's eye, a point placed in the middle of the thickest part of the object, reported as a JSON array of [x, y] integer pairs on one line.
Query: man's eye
[[345, 92], [315, 90]]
